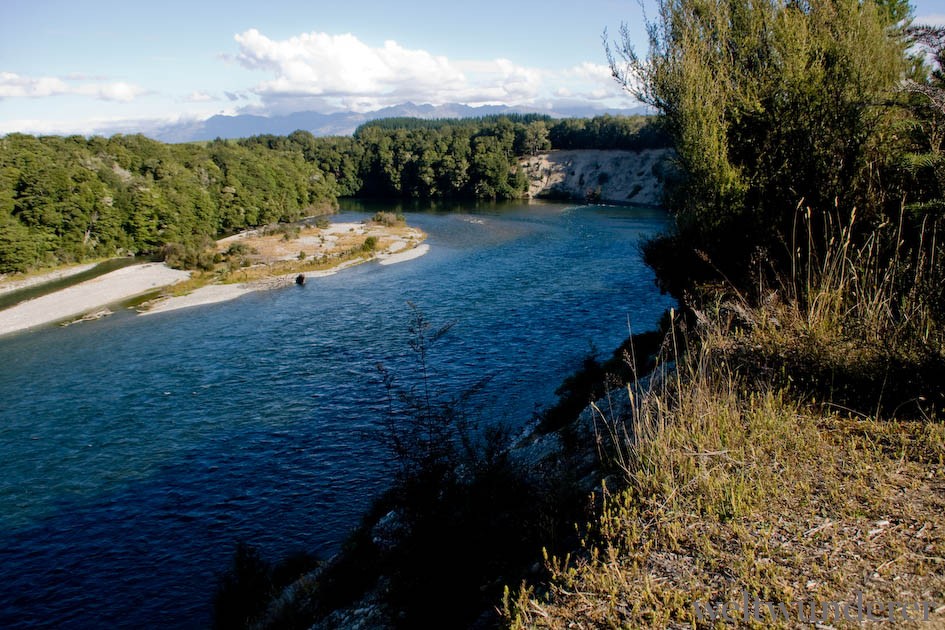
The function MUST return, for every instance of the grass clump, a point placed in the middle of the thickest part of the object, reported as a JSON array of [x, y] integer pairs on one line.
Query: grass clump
[[858, 326], [721, 486]]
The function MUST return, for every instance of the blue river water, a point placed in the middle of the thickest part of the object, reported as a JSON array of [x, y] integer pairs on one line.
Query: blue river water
[[135, 451]]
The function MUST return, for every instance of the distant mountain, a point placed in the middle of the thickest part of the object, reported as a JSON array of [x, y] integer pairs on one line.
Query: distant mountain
[[344, 123]]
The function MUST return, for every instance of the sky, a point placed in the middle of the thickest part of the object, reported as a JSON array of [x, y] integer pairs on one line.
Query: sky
[[87, 66]]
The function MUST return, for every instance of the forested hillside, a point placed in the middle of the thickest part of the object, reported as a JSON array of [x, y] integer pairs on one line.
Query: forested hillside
[[457, 158], [69, 199]]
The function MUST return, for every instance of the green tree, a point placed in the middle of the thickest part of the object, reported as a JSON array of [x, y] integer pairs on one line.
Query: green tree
[[925, 161], [769, 104]]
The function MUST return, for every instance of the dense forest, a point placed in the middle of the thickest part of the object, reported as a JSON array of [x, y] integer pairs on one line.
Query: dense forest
[[69, 199], [472, 158], [74, 198]]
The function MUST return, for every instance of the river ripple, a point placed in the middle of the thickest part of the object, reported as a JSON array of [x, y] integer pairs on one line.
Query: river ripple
[[134, 452]]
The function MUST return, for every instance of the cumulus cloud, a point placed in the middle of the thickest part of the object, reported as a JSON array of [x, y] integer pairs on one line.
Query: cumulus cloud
[[591, 71], [124, 92], [589, 82], [332, 72], [17, 86]]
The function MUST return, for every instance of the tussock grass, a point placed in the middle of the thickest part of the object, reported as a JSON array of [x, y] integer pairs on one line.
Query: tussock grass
[[856, 326], [724, 487]]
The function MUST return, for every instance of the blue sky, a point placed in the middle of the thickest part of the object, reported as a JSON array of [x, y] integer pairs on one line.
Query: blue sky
[[87, 65]]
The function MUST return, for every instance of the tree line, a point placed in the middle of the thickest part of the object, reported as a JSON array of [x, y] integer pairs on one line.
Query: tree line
[[457, 158], [66, 199]]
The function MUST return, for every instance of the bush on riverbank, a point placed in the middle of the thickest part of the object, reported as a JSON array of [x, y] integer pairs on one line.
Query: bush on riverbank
[[388, 219], [246, 589]]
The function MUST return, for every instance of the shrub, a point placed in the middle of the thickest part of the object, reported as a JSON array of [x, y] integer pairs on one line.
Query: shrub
[[768, 103], [388, 219], [190, 255]]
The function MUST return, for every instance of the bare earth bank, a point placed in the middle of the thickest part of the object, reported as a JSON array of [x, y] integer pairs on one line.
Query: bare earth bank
[[621, 177]]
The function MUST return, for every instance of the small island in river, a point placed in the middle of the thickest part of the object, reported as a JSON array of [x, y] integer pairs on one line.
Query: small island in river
[[264, 258]]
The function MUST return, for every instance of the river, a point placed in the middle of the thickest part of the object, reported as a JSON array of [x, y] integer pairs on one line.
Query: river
[[135, 451]]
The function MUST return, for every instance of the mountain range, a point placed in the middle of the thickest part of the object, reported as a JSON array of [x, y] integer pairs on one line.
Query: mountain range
[[344, 123]]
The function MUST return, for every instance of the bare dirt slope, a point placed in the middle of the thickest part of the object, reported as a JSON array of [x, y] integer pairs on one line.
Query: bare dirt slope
[[608, 176]]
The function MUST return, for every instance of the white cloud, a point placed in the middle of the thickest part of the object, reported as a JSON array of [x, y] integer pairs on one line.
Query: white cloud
[[13, 85], [591, 71], [589, 82], [105, 126], [198, 97], [123, 92], [340, 72], [16, 86]]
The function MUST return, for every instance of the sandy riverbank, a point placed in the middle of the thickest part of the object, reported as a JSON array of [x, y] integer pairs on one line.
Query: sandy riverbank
[[402, 256], [88, 296], [214, 293], [397, 244], [15, 284]]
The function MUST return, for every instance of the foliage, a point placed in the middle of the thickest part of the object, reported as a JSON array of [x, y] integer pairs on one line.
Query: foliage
[[388, 219], [68, 199], [455, 158], [245, 589], [631, 133], [800, 417], [857, 327], [461, 513], [594, 378], [725, 489], [468, 511], [768, 104], [924, 162]]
